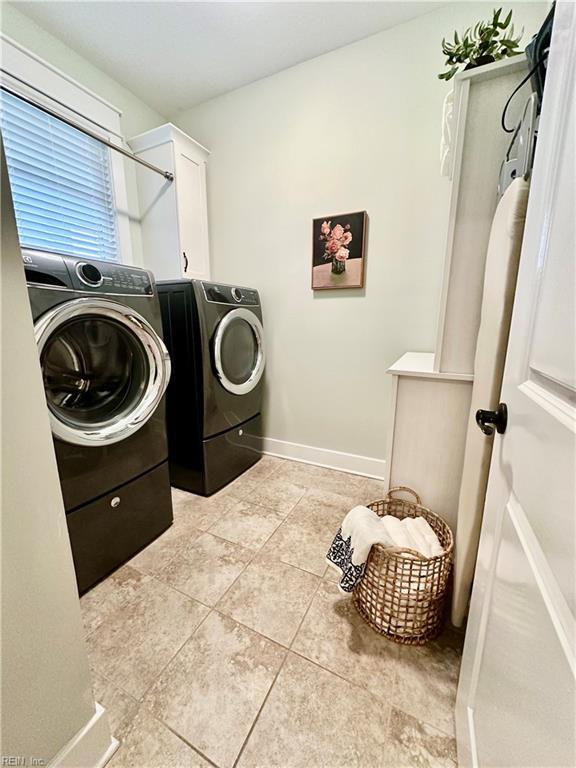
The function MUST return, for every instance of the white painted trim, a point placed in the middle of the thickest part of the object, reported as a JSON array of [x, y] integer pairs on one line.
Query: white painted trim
[[461, 96], [324, 457], [120, 189], [391, 432], [31, 55], [91, 747], [36, 79], [162, 135], [496, 69]]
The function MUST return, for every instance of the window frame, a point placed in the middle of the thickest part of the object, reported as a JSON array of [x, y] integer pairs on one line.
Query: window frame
[[29, 76]]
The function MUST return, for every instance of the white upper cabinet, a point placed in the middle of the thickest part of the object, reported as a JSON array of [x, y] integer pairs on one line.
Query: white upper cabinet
[[173, 214]]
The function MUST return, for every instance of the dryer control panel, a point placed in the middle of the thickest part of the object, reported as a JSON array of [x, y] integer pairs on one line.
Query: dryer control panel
[[219, 293]]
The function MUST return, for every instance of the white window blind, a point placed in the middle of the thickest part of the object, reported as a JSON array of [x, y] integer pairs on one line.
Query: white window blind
[[61, 183]]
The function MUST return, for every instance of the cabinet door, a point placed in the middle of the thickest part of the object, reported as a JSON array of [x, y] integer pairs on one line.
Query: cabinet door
[[192, 214]]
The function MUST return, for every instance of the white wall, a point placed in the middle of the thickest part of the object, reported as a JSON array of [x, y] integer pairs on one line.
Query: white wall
[[137, 116], [355, 129], [46, 695]]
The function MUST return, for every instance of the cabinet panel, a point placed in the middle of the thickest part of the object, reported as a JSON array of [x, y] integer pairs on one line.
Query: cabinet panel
[[427, 451], [192, 217]]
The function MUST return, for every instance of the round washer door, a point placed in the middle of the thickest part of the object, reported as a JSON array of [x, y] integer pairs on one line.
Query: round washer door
[[104, 367], [239, 356]]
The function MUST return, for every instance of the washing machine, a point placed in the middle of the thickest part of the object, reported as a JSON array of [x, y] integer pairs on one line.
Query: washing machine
[[105, 370], [215, 338]]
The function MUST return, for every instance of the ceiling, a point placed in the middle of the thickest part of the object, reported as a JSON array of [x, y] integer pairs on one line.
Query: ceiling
[[174, 55]]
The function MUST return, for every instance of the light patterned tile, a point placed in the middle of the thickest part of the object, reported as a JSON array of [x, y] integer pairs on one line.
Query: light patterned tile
[[427, 681], [313, 719], [248, 524], [325, 506], [156, 555], [414, 744], [242, 486], [358, 488], [101, 601], [180, 497], [305, 536], [206, 568], [335, 636], [277, 494], [271, 598], [119, 705], [300, 544], [299, 473], [263, 469], [322, 478], [203, 511], [330, 574], [369, 490], [150, 744], [140, 637], [212, 690]]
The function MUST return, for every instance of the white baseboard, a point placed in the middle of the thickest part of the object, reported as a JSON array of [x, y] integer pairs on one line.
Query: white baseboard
[[308, 454], [91, 747]]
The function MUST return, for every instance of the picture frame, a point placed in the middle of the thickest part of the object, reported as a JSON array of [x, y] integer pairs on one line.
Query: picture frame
[[339, 251]]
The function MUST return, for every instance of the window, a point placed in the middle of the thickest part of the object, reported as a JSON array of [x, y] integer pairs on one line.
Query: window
[[61, 184]]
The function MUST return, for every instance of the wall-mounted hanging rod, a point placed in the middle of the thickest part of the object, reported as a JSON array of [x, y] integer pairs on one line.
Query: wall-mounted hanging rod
[[167, 175]]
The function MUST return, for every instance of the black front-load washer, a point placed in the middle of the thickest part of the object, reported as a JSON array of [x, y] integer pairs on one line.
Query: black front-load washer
[[105, 370], [215, 339]]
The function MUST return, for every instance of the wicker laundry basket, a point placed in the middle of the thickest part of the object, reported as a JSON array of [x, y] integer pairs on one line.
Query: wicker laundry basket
[[402, 594]]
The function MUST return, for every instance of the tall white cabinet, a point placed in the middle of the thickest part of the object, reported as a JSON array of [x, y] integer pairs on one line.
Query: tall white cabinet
[[432, 391], [173, 214]]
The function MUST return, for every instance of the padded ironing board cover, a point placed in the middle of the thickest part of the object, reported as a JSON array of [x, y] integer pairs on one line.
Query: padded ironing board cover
[[500, 275]]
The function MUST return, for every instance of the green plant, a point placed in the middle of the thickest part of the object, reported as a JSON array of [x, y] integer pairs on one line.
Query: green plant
[[485, 42]]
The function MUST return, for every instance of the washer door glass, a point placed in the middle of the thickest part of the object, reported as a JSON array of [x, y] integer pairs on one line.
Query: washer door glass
[[104, 369], [239, 351], [94, 371]]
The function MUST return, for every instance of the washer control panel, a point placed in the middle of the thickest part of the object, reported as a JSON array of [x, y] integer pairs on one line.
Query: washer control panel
[[119, 279], [219, 293], [104, 277]]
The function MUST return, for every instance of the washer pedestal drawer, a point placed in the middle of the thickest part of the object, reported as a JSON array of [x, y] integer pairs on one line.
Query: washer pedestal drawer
[[107, 532]]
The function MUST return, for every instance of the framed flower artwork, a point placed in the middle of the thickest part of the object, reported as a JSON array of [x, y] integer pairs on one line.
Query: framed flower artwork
[[338, 251]]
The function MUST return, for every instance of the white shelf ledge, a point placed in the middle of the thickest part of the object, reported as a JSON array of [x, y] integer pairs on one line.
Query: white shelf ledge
[[421, 365], [497, 68]]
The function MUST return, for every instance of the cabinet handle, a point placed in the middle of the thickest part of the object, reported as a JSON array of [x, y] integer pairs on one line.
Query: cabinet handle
[[185, 261]]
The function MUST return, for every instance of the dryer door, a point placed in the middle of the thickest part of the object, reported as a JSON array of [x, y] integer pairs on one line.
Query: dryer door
[[239, 356], [105, 370]]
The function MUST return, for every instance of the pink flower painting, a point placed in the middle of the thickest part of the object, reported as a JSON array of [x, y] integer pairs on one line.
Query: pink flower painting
[[338, 252], [335, 239]]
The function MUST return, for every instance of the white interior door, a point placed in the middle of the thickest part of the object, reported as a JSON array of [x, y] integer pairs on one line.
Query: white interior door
[[516, 698]]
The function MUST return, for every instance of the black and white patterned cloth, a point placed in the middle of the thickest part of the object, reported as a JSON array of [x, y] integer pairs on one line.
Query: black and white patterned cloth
[[340, 556]]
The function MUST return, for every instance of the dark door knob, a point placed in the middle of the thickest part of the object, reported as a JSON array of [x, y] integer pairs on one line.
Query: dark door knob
[[487, 420]]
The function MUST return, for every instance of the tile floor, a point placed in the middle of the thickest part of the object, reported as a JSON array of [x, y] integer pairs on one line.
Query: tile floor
[[226, 643]]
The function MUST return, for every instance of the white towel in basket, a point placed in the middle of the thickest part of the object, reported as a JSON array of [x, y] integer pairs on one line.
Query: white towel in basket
[[362, 528]]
